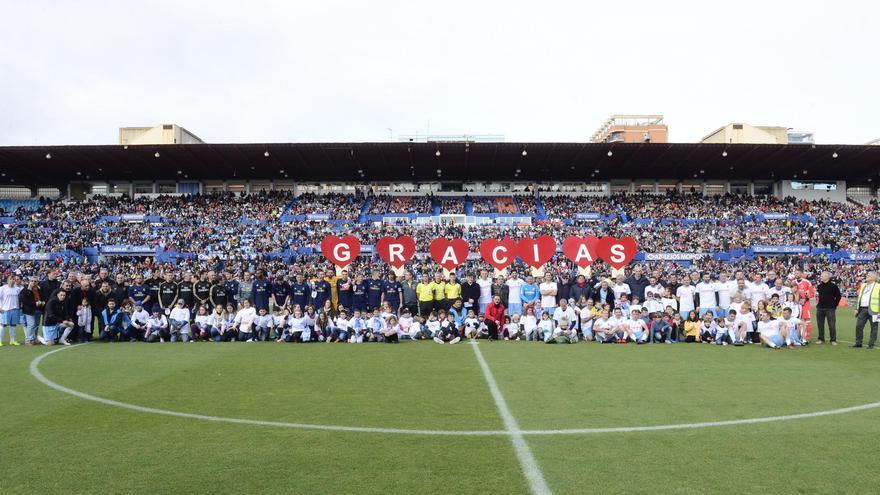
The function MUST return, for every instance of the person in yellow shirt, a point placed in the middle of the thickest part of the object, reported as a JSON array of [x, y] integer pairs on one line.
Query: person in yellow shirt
[[692, 327], [451, 290], [439, 291], [425, 296]]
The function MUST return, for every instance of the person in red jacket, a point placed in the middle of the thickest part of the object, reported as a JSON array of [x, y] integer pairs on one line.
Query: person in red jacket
[[494, 317], [808, 292]]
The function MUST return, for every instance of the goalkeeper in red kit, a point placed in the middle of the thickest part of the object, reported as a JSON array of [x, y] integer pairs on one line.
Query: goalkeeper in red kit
[[807, 292]]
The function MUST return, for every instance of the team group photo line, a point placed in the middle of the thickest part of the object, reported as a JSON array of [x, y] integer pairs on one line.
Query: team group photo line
[[524, 299]]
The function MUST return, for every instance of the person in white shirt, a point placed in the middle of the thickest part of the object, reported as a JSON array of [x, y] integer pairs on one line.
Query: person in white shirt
[[795, 329], [619, 326], [548, 289], [707, 295], [759, 291], [485, 284], [587, 316], [769, 330], [779, 289], [244, 321], [603, 328], [637, 328], [433, 325], [564, 311], [530, 324], [512, 328], [514, 297], [725, 288], [685, 295], [730, 329], [201, 327], [340, 328], [668, 300], [621, 287], [545, 327], [179, 319], [10, 311], [471, 323], [297, 330], [157, 326], [264, 323]]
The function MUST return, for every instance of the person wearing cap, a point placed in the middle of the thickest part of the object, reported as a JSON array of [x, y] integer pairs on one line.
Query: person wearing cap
[[179, 322]]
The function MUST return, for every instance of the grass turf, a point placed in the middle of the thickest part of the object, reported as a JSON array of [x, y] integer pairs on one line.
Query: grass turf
[[55, 443]]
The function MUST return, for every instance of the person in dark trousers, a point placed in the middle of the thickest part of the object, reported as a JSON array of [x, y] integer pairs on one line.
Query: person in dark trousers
[[867, 308], [826, 307]]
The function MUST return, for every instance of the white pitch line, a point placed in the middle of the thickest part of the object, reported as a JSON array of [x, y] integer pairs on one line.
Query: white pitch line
[[523, 452], [35, 371]]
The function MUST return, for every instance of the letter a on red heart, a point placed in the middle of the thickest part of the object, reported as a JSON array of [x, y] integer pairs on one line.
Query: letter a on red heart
[[536, 252], [581, 250], [499, 254], [396, 251], [617, 252], [341, 251], [449, 253]]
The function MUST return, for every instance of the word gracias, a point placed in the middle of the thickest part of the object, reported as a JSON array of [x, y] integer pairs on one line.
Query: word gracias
[[500, 253]]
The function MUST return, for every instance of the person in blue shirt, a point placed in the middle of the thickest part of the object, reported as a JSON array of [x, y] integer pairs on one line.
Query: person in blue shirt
[[320, 290], [138, 291], [529, 293], [231, 287], [359, 294], [375, 288], [281, 292], [392, 293], [261, 291], [300, 292], [344, 291], [115, 322]]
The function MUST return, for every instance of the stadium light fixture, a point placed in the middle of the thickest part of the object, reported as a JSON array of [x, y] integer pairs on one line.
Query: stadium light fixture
[[834, 155], [266, 153], [610, 152], [518, 170], [724, 153], [702, 171], [77, 173], [179, 172], [524, 153], [281, 171], [572, 167], [156, 154], [48, 156], [596, 171], [125, 147], [804, 171], [437, 153], [439, 171]]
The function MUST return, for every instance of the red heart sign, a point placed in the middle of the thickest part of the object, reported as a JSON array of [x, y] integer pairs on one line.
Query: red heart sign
[[341, 252], [499, 254], [536, 252], [617, 252], [396, 251], [581, 250], [449, 253]]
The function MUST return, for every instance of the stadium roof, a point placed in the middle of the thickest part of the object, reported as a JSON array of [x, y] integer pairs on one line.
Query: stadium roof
[[390, 161]]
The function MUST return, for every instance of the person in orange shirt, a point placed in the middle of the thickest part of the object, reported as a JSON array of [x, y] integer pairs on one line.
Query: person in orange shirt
[[807, 292]]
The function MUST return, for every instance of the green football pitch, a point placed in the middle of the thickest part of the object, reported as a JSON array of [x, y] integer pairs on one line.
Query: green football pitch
[[495, 417]]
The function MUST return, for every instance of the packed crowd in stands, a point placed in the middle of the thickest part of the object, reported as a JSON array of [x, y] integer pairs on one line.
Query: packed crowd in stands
[[563, 207], [410, 204], [527, 205], [337, 205], [451, 206]]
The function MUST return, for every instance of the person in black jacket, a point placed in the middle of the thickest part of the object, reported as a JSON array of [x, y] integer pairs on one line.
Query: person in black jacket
[[826, 307], [30, 300], [470, 292], [50, 285], [604, 295], [56, 318]]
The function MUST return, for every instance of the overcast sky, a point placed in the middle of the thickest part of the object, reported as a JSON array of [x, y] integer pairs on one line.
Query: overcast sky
[[72, 72]]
